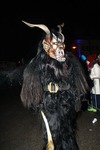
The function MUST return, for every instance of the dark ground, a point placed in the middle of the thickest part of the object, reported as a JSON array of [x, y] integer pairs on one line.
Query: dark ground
[[20, 128]]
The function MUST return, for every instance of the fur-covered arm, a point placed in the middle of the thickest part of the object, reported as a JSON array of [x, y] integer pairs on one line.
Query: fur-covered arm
[[81, 87], [31, 92]]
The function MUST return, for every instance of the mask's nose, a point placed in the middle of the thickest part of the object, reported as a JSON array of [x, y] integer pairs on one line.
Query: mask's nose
[[60, 52]]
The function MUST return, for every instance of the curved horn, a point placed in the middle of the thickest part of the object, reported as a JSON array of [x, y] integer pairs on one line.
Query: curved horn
[[60, 27], [60, 31], [50, 144], [41, 26]]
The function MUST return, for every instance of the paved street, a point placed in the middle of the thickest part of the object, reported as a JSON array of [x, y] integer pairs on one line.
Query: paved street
[[20, 128]]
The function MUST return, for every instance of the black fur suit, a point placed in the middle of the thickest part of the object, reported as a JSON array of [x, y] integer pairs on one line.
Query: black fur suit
[[60, 107]]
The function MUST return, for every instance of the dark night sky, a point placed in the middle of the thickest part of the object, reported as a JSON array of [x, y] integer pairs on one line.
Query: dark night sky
[[82, 20]]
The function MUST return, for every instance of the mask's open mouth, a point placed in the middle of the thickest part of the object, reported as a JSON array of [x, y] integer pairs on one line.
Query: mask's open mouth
[[61, 59]]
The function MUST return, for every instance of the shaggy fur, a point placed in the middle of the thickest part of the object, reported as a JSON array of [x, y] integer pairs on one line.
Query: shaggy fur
[[60, 108]]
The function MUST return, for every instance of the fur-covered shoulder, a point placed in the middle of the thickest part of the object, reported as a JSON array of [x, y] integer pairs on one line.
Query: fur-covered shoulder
[[79, 73]]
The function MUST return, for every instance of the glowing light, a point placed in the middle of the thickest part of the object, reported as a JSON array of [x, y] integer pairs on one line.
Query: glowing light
[[73, 47]]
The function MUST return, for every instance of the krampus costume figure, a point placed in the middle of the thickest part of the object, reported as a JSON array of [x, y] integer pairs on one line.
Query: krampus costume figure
[[54, 84]]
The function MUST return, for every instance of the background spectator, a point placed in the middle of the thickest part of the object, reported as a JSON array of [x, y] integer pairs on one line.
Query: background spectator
[[95, 91]]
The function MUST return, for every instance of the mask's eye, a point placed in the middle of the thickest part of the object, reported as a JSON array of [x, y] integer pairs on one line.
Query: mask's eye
[[54, 43]]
